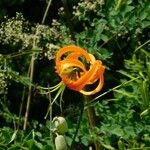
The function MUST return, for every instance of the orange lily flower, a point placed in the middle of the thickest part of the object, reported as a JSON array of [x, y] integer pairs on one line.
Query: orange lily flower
[[77, 68]]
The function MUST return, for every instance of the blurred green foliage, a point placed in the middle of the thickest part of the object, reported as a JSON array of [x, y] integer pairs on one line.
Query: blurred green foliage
[[116, 32]]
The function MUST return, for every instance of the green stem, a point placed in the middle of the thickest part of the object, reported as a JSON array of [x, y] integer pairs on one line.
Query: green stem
[[141, 46], [92, 121], [78, 126], [32, 70], [118, 5], [110, 90], [22, 101], [17, 54], [29, 93], [50, 115]]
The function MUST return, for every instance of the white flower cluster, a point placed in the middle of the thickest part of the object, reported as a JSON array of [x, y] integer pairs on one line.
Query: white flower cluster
[[16, 31], [85, 6], [11, 30], [61, 11], [51, 51], [3, 83]]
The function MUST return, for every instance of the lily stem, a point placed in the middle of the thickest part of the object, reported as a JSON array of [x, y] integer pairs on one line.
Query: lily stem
[[78, 126], [92, 120]]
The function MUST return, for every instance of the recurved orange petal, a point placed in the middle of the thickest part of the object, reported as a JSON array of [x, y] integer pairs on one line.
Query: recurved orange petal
[[74, 72]]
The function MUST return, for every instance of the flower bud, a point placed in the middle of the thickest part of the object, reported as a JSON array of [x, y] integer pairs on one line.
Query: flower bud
[[60, 124], [60, 143]]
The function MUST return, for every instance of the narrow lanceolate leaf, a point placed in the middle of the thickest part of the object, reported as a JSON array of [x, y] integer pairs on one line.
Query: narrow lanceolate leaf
[[13, 136]]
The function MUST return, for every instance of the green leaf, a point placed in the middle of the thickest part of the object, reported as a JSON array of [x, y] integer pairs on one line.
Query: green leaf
[[127, 9], [47, 147], [145, 24], [143, 15], [104, 37], [14, 148], [85, 141], [34, 145], [117, 131], [29, 143], [129, 131], [13, 136], [145, 112], [125, 93], [103, 54], [108, 147]]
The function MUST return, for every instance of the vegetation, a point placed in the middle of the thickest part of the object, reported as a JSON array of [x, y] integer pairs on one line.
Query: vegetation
[[115, 32]]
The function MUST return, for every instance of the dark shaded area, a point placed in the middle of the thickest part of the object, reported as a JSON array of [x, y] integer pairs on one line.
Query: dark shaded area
[[34, 10], [31, 10]]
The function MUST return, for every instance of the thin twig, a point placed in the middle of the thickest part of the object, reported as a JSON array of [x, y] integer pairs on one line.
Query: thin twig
[[22, 100], [141, 46], [29, 93], [46, 11], [32, 70], [17, 54]]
